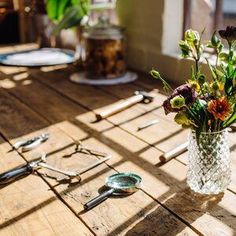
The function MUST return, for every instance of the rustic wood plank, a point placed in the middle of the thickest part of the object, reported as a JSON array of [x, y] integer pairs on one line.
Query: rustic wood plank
[[179, 187], [28, 208], [168, 167], [100, 220]]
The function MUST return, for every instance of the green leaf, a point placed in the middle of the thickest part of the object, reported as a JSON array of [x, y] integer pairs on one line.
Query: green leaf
[[86, 6], [219, 73], [52, 7], [62, 7], [212, 70], [197, 112], [223, 56], [193, 73], [72, 17], [57, 10], [231, 119], [185, 48], [75, 2]]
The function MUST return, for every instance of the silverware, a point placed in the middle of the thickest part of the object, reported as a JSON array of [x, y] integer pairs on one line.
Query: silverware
[[30, 144], [148, 124]]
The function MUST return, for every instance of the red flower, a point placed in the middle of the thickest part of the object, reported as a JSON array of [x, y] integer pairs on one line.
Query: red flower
[[219, 108]]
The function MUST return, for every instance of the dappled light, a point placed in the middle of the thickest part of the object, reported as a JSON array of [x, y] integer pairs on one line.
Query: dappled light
[[131, 151], [7, 84], [106, 130]]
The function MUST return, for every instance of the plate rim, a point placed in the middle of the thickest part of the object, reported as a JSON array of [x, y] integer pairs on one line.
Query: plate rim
[[69, 52]]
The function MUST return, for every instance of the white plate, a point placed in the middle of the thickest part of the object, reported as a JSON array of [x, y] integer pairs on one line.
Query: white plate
[[39, 57], [82, 78]]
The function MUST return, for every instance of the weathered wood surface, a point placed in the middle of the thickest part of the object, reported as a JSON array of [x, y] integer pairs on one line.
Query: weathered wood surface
[[35, 101], [28, 207]]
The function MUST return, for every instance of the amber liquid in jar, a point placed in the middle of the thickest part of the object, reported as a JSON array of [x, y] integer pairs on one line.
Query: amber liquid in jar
[[105, 58]]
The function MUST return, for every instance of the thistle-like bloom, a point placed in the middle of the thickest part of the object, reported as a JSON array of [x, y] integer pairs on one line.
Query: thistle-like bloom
[[186, 92], [229, 33], [220, 108]]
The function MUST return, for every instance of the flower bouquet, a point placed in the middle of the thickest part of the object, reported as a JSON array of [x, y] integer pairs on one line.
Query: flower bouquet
[[207, 106]]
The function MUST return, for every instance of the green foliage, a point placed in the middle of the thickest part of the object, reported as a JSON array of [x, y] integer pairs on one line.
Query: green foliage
[[72, 17], [231, 119], [213, 107], [185, 49], [67, 13], [57, 8]]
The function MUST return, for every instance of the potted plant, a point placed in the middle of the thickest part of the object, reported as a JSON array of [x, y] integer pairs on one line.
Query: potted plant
[[206, 105], [72, 13], [67, 13]]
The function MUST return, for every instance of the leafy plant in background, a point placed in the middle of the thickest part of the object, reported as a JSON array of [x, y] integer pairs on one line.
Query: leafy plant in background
[[69, 13], [205, 104]]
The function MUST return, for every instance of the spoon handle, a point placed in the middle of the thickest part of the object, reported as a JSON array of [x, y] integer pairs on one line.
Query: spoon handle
[[97, 200]]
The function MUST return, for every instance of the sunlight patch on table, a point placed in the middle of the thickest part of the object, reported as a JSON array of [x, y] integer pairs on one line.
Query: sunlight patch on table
[[21, 76], [7, 84]]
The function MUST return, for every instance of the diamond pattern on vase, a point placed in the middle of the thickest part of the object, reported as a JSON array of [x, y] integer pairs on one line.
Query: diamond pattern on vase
[[209, 162]]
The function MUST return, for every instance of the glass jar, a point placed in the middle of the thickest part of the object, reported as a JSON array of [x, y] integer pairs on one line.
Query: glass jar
[[209, 162], [105, 50]]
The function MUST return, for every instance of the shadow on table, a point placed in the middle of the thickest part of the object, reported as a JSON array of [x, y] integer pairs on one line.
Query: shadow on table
[[156, 220], [169, 225]]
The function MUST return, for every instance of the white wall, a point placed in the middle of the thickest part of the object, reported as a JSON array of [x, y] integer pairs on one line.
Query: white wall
[[153, 29]]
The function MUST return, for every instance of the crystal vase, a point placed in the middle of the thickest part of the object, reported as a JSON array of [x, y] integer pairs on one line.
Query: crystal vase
[[208, 162]]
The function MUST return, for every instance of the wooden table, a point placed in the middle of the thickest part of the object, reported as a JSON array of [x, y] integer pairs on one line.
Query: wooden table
[[33, 101]]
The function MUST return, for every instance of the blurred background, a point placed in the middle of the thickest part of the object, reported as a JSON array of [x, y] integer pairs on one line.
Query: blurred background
[[27, 21], [19, 18], [152, 28]]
